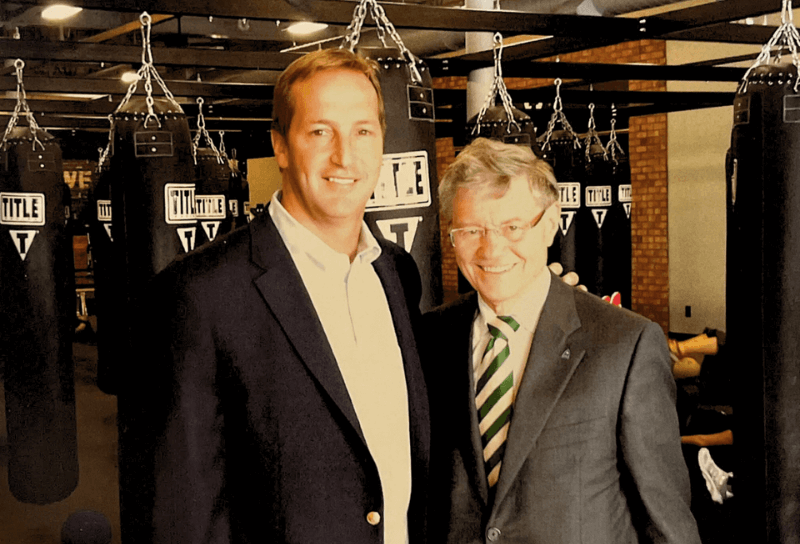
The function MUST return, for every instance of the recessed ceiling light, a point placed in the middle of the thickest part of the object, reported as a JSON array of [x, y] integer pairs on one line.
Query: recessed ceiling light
[[59, 12], [304, 28], [129, 77]]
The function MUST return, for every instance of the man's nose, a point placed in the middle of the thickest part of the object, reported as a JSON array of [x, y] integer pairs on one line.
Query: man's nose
[[342, 151], [492, 242]]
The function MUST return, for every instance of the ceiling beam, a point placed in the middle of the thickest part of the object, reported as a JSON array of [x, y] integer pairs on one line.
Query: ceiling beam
[[416, 16], [572, 70], [97, 86], [162, 56]]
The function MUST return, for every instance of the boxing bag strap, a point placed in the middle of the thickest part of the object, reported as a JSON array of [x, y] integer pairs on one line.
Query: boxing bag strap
[[147, 73], [498, 87], [613, 143], [558, 116], [22, 104], [201, 130], [384, 25], [787, 33], [593, 136]]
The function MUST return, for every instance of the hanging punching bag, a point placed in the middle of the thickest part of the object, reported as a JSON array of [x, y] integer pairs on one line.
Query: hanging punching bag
[[213, 191], [37, 318], [405, 206], [618, 237], [763, 299], [109, 288], [495, 126], [568, 165]]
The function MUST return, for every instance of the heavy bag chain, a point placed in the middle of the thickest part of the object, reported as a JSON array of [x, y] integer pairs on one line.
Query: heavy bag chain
[[558, 116], [105, 152], [786, 32], [383, 25], [613, 144], [201, 130], [498, 87], [22, 104], [593, 136], [233, 164], [148, 72]]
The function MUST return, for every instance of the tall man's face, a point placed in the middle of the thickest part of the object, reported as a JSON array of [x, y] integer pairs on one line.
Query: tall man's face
[[499, 269], [332, 152]]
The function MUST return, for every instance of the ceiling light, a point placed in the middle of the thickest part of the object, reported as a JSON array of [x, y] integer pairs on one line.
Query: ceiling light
[[129, 77], [59, 12], [305, 28]]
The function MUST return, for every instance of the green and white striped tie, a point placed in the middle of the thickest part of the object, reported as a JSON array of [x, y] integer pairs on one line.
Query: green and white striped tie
[[494, 395]]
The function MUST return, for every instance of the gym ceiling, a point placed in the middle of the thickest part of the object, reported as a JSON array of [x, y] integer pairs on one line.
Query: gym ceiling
[[230, 52]]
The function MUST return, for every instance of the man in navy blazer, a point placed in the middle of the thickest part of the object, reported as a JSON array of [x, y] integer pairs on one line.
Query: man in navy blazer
[[552, 412], [280, 397]]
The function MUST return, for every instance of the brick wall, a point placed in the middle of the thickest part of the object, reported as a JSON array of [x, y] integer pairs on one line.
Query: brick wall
[[648, 156]]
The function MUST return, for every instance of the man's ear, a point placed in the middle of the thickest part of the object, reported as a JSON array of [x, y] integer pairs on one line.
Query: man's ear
[[280, 148], [551, 221]]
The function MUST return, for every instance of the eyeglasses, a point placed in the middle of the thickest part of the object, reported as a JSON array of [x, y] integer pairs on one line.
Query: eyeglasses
[[513, 232]]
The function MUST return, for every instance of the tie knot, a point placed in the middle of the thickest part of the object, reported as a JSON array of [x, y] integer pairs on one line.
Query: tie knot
[[503, 326]]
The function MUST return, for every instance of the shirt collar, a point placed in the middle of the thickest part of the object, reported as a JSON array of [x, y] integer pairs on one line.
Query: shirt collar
[[528, 308], [300, 240]]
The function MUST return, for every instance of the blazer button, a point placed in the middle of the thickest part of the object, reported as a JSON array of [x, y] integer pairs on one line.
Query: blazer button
[[493, 534], [373, 518]]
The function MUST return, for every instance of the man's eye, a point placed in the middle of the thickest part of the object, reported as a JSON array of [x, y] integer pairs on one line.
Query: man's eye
[[473, 232], [513, 227], [319, 132]]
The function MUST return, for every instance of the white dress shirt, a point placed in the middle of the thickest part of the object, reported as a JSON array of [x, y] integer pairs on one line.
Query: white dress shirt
[[352, 307], [526, 311]]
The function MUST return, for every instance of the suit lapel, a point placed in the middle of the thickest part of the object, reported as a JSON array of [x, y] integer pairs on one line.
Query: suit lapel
[[285, 294], [465, 414], [415, 382], [551, 363]]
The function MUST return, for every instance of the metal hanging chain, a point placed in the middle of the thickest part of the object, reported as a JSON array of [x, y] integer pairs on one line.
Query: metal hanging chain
[[201, 131], [593, 136], [384, 25], [148, 72], [104, 152], [613, 144], [498, 87], [787, 33], [558, 116], [21, 105]]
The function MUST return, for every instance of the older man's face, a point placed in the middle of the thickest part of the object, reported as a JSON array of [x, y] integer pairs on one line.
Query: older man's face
[[499, 269]]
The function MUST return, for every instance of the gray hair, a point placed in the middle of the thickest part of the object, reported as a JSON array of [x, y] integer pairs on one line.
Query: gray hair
[[492, 164]]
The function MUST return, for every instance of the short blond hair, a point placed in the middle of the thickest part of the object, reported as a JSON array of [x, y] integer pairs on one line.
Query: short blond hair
[[283, 103], [493, 164]]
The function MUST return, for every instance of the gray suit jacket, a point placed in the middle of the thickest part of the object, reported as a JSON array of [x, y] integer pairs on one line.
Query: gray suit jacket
[[593, 452]]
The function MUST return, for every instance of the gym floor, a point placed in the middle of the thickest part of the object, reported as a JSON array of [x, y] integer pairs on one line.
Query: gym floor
[[98, 488]]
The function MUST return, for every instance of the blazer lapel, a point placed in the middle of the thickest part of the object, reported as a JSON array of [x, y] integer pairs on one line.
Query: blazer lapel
[[419, 412], [466, 415], [284, 292], [551, 363]]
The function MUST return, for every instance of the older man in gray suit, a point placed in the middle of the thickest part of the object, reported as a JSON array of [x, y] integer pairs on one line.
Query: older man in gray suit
[[553, 412]]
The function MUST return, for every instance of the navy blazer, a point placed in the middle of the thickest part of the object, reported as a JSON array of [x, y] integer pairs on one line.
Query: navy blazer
[[237, 426], [593, 452]]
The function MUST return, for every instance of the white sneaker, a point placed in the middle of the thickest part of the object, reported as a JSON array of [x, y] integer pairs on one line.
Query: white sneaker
[[716, 478]]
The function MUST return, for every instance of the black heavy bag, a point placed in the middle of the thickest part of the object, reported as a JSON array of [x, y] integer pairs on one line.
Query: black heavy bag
[[152, 200], [109, 287], [405, 205], [213, 191], [568, 164], [763, 300], [619, 237], [494, 125], [603, 241], [153, 190], [239, 203], [37, 319]]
